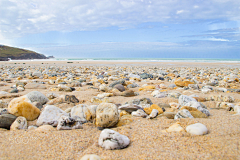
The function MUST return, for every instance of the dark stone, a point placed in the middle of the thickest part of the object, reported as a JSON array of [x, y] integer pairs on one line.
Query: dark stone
[[6, 120], [71, 99], [15, 90], [120, 87], [146, 76], [161, 78], [121, 81]]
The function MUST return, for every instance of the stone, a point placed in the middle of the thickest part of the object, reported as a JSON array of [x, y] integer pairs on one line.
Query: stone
[[148, 110], [102, 95], [106, 115], [183, 114], [199, 106], [197, 129], [71, 99], [6, 120], [22, 106], [237, 109], [169, 115], [36, 96], [37, 74], [50, 116], [134, 85], [32, 127], [198, 114], [183, 100], [156, 92], [45, 128], [229, 99], [3, 111], [193, 86], [84, 112], [153, 114], [174, 105], [15, 90], [3, 104], [34, 86], [146, 76], [141, 102], [51, 95], [174, 95], [38, 105], [161, 95], [174, 128], [124, 120], [104, 88], [130, 107], [110, 139], [91, 157], [139, 113], [120, 87], [68, 123], [121, 81], [64, 88], [164, 105], [100, 100], [19, 123]]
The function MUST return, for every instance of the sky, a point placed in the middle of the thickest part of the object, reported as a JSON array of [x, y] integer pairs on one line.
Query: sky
[[123, 28]]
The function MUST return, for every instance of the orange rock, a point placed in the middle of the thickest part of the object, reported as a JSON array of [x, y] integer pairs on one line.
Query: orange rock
[[148, 110]]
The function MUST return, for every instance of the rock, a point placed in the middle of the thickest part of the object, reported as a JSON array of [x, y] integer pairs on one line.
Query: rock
[[146, 76], [153, 114], [174, 95], [197, 129], [183, 100], [206, 90], [229, 99], [181, 83], [164, 105], [128, 93], [68, 123], [193, 86], [107, 115], [120, 87], [91, 157], [130, 107], [32, 127], [183, 114], [51, 95], [121, 81], [3, 111], [71, 99], [198, 114], [34, 86], [104, 88], [199, 106], [110, 139], [139, 113], [64, 88], [3, 104], [38, 105], [174, 105], [104, 95], [15, 90], [22, 106], [148, 110], [174, 128], [37, 74], [172, 86], [169, 115], [36, 96], [50, 116], [45, 128], [161, 95], [100, 100], [19, 123], [84, 112], [124, 120], [155, 93], [134, 85], [6, 120], [237, 109]]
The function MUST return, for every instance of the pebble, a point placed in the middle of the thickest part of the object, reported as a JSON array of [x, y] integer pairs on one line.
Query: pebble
[[183, 114], [91, 157], [139, 113], [19, 123], [68, 123], [110, 140], [197, 129], [174, 128]]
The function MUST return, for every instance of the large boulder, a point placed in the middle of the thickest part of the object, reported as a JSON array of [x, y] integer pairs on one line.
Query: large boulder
[[22, 106], [107, 115], [50, 116], [110, 139]]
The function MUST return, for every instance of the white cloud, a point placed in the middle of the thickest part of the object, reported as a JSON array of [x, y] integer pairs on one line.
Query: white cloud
[[25, 17], [218, 39]]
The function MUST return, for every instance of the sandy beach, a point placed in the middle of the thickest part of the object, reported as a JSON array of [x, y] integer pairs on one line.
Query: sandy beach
[[147, 141]]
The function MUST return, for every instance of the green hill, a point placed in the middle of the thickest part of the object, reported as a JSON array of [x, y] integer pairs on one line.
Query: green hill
[[18, 53]]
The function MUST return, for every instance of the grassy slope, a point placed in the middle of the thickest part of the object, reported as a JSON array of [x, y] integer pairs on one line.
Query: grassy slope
[[6, 51]]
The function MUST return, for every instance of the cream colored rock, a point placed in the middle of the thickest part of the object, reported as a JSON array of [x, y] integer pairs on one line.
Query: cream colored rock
[[91, 157], [45, 128], [19, 123], [174, 128], [107, 115], [197, 129], [174, 105], [22, 106]]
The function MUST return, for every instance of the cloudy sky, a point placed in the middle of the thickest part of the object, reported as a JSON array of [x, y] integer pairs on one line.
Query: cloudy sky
[[123, 28]]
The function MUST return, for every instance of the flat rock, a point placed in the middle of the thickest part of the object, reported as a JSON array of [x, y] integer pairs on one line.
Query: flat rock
[[110, 139], [130, 107], [68, 123], [139, 113], [183, 114]]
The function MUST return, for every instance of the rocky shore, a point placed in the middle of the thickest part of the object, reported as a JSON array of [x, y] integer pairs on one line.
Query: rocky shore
[[61, 110]]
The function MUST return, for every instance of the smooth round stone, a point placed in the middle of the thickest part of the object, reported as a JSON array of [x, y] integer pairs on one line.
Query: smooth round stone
[[197, 129]]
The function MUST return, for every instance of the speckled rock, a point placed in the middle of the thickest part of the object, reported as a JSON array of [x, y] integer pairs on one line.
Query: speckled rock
[[85, 112], [110, 139], [107, 115], [19, 123], [183, 114], [68, 123], [183, 100]]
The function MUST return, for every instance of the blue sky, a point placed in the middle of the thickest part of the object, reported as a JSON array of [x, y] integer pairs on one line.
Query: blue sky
[[123, 28]]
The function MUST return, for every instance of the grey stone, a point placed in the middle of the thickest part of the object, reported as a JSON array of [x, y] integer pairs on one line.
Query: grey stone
[[183, 114], [6, 120], [36, 96], [68, 123]]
